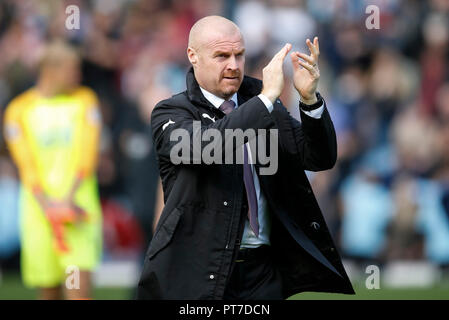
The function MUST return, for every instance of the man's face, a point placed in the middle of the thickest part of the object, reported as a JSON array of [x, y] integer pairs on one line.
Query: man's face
[[65, 74], [220, 63], [72, 76]]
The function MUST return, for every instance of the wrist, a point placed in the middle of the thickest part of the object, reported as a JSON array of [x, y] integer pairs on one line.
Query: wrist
[[40, 196], [309, 100], [270, 96], [312, 106]]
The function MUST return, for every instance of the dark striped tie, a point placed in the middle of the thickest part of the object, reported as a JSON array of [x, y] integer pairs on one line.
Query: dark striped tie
[[227, 107]]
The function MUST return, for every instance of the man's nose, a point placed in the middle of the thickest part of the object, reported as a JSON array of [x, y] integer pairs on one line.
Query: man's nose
[[232, 64]]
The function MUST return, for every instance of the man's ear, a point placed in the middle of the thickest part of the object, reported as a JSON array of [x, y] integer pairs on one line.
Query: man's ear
[[192, 55]]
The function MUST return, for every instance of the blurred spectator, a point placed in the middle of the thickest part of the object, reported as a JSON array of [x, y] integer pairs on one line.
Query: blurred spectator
[[9, 211], [405, 239], [433, 222], [367, 208]]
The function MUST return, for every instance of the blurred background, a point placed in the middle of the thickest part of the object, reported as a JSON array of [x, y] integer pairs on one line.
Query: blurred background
[[386, 201]]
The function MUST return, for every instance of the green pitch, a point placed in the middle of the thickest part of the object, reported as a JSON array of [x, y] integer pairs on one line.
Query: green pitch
[[440, 292], [12, 288]]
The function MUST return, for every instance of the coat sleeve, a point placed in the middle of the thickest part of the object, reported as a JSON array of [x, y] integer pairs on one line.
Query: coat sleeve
[[178, 134], [312, 141]]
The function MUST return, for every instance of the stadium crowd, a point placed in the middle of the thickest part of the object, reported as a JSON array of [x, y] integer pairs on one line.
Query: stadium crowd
[[387, 89]]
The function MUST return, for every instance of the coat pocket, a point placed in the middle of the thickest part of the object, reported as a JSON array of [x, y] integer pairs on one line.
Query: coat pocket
[[165, 233]]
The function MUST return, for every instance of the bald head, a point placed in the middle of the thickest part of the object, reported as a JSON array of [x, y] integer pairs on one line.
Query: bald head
[[216, 52], [210, 28]]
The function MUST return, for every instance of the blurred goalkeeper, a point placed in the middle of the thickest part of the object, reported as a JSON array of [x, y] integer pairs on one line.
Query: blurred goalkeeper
[[52, 131]]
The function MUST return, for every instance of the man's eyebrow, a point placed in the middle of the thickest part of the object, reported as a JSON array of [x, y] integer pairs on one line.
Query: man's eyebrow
[[218, 52], [241, 51]]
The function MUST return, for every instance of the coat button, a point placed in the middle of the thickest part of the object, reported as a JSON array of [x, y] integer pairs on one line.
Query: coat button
[[225, 203], [309, 191], [211, 277], [315, 225]]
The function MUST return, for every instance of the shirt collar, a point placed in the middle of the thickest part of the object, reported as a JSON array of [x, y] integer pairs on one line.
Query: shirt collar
[[217, 101]]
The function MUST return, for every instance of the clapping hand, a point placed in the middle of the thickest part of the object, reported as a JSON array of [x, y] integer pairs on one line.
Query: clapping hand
[[273, 75], [306, 72]]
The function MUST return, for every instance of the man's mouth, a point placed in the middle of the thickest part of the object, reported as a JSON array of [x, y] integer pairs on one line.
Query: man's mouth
[[231, 78]]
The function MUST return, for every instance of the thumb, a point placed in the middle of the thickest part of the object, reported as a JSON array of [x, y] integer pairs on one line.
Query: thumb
[[282, 53], [295, 62], [285, 50]]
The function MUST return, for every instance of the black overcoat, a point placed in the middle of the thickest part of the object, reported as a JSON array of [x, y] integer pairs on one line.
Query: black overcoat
[[192, 252]]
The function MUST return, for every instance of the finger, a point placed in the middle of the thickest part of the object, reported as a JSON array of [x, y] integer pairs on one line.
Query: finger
[[283, 52], [307, 66], [306, 57], [317, 44], [312, 48]]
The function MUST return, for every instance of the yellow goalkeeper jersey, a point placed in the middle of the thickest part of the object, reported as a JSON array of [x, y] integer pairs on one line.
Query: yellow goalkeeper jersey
[[53, 140]]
